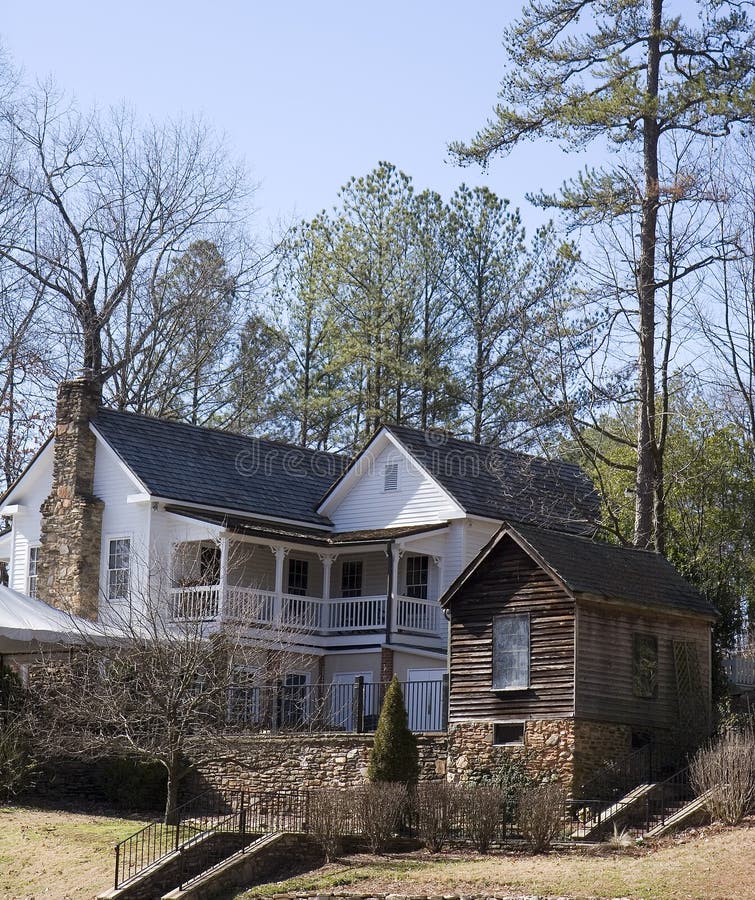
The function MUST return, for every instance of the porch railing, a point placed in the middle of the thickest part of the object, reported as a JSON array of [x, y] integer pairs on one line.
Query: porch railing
[[353, 707], [356, 613], [254, 607]]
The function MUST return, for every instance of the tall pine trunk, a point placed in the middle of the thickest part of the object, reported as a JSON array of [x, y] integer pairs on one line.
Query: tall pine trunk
[[646, 530]]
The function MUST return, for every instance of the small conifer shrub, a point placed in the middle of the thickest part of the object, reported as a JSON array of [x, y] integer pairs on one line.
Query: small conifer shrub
[[394, 755]]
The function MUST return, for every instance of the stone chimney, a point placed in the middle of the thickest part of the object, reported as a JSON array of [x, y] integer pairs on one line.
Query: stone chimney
[[69, 555]]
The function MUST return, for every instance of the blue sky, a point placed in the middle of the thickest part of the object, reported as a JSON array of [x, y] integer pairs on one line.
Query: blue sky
[[307, 94]]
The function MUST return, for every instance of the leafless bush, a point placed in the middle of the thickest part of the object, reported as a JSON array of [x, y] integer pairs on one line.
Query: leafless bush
[[724, 774], [436, 805], [540, 812], [16, 763], [483, 805], [381, 804], [328, 817]]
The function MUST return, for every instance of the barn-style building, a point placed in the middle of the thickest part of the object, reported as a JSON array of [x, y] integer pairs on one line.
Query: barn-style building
[[571, 652]]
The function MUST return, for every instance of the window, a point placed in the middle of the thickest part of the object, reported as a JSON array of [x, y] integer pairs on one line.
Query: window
[[351, 578], [508, 733], [511, 652], [119, 557], [416, 577], [390, 477], [298, 577], [31, 584], [644, 665], [209, 564]]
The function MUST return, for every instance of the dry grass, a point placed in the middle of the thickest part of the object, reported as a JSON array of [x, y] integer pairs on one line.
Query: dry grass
[[57, 855], [712, 863]]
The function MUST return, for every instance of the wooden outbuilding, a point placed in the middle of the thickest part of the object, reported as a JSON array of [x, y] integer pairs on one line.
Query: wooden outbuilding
[[572, 652]]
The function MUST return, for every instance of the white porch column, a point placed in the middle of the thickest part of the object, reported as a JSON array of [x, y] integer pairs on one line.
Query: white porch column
[[327, 560], [223, 576], [398, 552], [280, 554]]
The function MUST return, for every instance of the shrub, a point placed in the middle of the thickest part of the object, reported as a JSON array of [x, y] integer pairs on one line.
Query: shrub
[[540, 814], [394, 755], [724, 773], [436, 806], [483, 806], [17, 765], [381, 805], [328, 817]]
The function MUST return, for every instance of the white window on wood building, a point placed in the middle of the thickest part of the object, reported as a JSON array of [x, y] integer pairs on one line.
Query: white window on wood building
[[118, 568], [417, 572], [31, 580], [390, 477], [511, 652]]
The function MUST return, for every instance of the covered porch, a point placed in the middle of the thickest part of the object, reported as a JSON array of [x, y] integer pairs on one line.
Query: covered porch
[[264, 585]]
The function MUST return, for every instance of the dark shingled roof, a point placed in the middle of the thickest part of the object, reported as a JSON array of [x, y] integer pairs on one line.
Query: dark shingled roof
[[502, 484], [255, 528], [605, 570], [218, 468]]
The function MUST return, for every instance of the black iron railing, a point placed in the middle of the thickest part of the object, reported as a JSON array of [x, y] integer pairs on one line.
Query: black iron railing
[[649, 763], [353, 707], [243, 815]]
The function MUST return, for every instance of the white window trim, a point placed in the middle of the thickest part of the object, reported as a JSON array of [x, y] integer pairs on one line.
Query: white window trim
[[31, 546], [105, 570]]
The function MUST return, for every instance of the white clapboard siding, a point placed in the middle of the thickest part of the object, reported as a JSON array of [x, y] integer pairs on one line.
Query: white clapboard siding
[[419, 500], [29, 495]]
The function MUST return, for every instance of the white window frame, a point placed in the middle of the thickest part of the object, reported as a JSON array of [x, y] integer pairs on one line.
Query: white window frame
[[35, 576], [497, 679], [247, 694], [107, 570]]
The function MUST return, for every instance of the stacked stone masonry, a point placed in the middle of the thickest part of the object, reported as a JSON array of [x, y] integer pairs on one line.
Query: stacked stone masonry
[[69, 558]]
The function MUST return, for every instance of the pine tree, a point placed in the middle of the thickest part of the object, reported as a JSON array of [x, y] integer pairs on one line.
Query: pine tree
[[394, 754]]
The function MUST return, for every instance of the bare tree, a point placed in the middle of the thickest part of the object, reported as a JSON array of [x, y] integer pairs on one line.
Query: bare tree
[[99, 208]]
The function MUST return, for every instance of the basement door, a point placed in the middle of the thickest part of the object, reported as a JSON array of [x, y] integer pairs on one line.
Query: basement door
[[423, 697], [342, 699]]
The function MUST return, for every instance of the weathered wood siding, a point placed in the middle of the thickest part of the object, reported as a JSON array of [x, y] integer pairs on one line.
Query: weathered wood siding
[[604, 664], [509, 581]]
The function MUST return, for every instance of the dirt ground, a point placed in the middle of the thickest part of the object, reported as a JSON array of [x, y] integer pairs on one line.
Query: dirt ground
[[57, 855], [705, 864]]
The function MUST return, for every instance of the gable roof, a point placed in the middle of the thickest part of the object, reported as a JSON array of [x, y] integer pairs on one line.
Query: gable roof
[[503, 484], [190, 464], [596, 568]]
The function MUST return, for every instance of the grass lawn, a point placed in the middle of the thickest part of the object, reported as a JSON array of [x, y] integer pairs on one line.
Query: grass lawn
[[57, 855], [705, 864]]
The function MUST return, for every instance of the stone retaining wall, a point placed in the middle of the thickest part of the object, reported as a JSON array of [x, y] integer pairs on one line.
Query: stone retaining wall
[[294, 761]]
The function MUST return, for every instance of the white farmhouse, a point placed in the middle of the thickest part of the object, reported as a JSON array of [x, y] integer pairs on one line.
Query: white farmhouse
[[342, 561]]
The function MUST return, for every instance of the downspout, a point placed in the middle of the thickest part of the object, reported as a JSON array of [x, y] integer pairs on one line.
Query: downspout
[[389, 593]]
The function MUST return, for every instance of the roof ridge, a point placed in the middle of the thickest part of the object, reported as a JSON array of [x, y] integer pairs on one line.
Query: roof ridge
[[216, 430], [490, 447]]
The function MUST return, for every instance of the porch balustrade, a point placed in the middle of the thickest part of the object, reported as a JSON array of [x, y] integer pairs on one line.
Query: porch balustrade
[[254, 607]]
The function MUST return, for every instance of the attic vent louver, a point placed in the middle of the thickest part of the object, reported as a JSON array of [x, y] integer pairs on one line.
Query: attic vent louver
[[390, 480]]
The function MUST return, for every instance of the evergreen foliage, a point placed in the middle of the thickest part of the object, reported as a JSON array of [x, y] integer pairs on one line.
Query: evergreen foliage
[[394, 754]]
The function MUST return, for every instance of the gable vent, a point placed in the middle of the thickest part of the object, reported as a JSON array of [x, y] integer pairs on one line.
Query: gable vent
[[390, 478]]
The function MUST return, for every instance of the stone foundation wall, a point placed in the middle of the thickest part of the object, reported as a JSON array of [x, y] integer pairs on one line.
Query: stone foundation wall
[[295, 761], [597, 743], [548, 748]]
